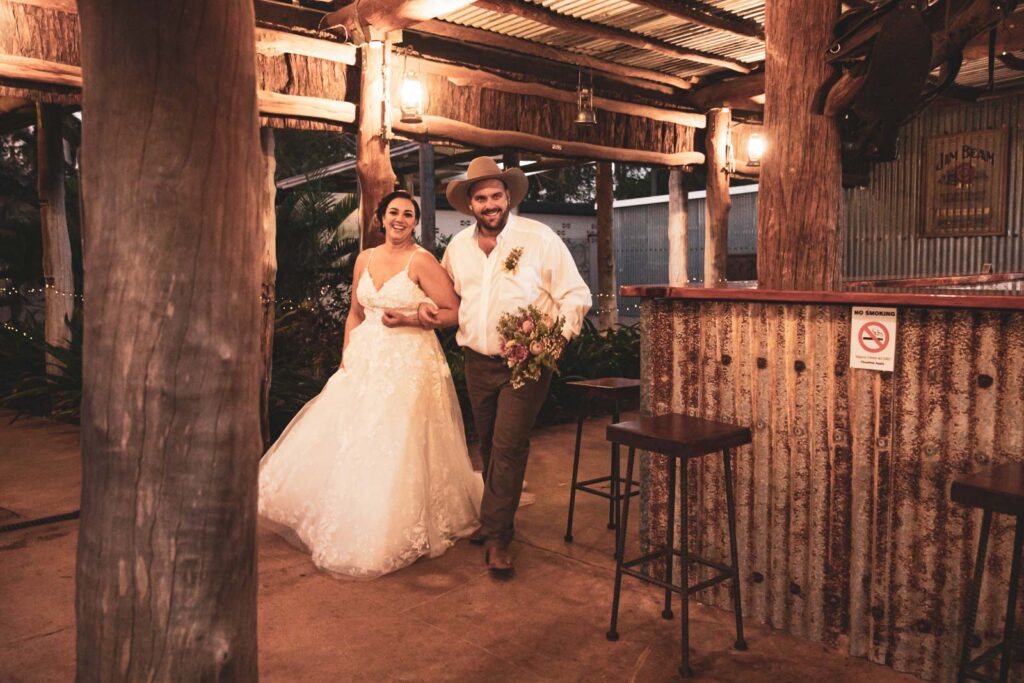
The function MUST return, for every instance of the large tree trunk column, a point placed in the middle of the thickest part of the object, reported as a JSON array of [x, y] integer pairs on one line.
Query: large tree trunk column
[[268, 226], [799, 239], [607, 302], [716, 208], [60, 283], [166, 578], [373, 152], [678, 215]]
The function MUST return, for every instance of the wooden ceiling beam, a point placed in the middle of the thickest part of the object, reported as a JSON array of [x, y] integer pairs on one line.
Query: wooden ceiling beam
[[449, 129], [631, 75], [703, 14], [463, 76], [738, 93], [564, 22], [388, 15]]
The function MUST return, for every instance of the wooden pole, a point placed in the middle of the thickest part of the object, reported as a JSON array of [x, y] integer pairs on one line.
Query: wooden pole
[[716, 208], [373, 152], [607, 301], [166, 570], [511, 160], [678, 216], [57, 274], [428, 220], [799, 241], [268, 291]]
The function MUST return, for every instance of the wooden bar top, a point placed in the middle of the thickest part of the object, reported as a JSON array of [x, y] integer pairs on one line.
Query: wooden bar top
[[1012, 300]]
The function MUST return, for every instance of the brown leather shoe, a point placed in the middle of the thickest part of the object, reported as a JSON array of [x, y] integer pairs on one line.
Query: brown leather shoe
[[499, 561], [477, 537]]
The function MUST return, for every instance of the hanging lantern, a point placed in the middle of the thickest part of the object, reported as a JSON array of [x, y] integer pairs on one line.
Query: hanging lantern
[[585, 115], [755, 149], [412, 98]]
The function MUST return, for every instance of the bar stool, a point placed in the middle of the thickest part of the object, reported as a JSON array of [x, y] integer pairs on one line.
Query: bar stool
[[679, 438], [614, 389], [994, 489]]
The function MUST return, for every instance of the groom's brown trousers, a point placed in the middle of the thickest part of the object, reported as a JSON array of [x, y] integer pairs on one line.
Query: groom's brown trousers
[[503, 417]]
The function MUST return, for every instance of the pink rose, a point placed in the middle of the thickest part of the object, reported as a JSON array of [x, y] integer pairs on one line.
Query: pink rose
[[536, 348], [527, 326], [501, 344], [520, 353]]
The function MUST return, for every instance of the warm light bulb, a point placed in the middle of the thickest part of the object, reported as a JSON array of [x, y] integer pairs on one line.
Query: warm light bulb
[[755, 149], [412, 99]]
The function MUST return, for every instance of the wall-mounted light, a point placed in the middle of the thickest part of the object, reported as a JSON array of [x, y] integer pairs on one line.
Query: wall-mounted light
[[411, 95], [585, 115], [755, 149]]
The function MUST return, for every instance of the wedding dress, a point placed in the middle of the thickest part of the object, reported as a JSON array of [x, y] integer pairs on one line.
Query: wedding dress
[[373, 473]]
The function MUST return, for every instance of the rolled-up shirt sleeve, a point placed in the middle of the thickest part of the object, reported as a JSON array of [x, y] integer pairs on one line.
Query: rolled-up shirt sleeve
[[566, 288]]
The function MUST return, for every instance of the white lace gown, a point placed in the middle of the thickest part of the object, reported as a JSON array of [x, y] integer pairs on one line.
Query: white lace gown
[[373, 473]]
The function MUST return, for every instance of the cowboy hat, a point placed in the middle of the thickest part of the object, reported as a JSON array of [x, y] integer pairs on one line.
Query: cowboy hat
[[485, 168]]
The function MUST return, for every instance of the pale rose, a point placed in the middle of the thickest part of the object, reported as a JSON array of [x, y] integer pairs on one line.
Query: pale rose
[[527, 326], [548, 320], [536, 348]]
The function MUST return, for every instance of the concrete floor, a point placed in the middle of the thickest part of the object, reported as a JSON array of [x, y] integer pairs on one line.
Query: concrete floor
[[441, 619]]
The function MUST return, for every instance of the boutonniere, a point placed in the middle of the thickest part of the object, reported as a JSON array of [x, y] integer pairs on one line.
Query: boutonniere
[[512, 260]]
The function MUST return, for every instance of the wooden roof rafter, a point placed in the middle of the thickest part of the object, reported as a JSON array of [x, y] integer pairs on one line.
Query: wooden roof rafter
[[640, 77], [544, 16], [703, 14]]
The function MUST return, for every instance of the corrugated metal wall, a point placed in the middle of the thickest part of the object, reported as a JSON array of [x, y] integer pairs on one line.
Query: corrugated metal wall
[[847, 535], [641, 241], [884, 220]]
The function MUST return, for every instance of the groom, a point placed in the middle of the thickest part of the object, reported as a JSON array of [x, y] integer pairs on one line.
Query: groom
[[502, 263]]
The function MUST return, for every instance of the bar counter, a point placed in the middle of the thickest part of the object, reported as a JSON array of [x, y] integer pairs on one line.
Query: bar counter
[[846, 531]]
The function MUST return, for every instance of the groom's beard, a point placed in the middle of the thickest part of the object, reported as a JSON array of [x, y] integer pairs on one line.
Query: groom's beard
[[488, 222]]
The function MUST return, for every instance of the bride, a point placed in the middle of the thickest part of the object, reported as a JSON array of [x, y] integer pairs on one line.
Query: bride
[[373, 473]]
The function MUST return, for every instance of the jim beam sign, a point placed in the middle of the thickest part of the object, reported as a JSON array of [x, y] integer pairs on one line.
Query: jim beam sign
[[965, 177]]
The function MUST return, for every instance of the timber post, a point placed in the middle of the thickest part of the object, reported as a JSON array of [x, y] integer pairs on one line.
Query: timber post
[[608, 302], [373, 149], [59, 290], [268, 293], [170, 429], [718, 203], [799, 221], [678, 216], [428, 203]]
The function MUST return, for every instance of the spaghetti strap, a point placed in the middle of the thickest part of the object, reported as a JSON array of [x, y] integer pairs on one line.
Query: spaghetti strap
[[409, 262]]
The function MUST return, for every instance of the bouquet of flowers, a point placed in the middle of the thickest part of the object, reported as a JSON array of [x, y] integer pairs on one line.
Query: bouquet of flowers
[[530, 342]]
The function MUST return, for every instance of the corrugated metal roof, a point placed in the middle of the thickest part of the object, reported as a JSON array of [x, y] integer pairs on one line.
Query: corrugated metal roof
[[652, 23]]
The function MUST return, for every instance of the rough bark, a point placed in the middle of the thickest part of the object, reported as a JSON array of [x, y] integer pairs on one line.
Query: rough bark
[[57, 274], [428, 220], [799, 242], [716, 208], [166, 575], [268, 289], [373, 152], [608, 302], [678, 215]]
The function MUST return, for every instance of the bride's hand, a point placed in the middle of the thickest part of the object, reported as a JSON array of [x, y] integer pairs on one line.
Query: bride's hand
[[391, 318]]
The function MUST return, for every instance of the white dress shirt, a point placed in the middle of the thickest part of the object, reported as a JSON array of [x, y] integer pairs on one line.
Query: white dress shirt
[[545, 277]]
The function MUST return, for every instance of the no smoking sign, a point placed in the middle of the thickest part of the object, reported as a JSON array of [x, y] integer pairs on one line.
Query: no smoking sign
[[873, 338]]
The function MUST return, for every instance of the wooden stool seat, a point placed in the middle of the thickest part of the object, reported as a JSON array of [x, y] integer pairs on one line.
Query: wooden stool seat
[[997, 489], [615, 390], [608, 386], [678, 437]]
